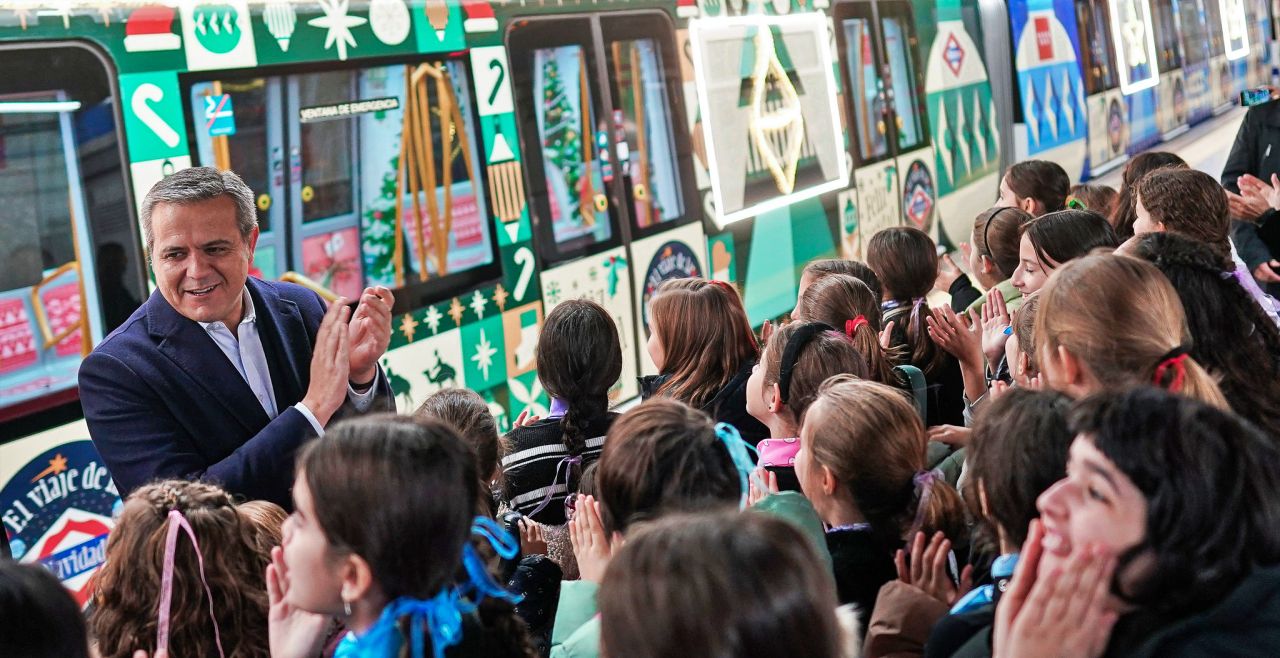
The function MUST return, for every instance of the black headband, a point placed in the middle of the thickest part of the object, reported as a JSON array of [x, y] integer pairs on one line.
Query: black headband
[[986, 230], [791, 352]]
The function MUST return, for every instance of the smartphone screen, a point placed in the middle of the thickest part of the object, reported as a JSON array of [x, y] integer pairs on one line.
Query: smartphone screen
[[1251, 97]]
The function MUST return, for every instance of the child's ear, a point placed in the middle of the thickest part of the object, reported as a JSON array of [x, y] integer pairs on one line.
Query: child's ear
[[1029, 206], [1024, 365], [988, 266], [775, 399], [357, 578], [829, 481], [1075, 377]]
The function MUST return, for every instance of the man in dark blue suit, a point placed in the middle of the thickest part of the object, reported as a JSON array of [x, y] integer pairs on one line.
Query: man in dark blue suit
[[221, 376]]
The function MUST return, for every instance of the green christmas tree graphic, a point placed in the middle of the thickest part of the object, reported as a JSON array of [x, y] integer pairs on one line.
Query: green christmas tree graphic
[[561, 140]]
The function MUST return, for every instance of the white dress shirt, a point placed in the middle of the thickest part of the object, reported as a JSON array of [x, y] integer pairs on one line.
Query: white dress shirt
[[250, 360]]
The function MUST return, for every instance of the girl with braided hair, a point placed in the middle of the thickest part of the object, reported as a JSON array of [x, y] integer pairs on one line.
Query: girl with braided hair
[[191, 535], [579, 359], [1231, 335]]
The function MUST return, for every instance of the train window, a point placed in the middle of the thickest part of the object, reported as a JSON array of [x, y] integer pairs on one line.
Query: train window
[[1136, 60], [245, 144], [1094, 22], [1195, 41], [867, 92], [380, 161], [72, 261], [325, 146], [1235, 29], [566, 136], [647, 152], [899, 45], [1168, 45], [1213, 26]]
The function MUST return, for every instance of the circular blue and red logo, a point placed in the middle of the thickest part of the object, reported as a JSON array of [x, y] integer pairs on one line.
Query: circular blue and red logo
[[57, 511], [918, 196], [674, 260]]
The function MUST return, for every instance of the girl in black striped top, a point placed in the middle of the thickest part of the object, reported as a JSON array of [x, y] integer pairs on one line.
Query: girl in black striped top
[[579, 359]]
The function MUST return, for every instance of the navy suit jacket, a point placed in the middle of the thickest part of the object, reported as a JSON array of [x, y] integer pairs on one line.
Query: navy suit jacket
[[163, 401]]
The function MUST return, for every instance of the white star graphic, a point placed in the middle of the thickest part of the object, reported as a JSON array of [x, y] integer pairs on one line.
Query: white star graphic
[[433, 319], [339, 25], [478, 302], [484, 354]]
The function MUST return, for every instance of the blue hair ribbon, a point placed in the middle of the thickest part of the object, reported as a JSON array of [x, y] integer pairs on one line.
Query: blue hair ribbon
[[440, 615], [481, 582], [737, 448]]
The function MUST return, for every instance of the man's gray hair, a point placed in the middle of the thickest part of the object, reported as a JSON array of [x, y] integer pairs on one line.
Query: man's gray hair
[[200, 184]]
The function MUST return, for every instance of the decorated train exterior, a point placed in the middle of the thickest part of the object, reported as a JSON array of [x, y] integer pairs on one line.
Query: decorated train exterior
[[488, 160]]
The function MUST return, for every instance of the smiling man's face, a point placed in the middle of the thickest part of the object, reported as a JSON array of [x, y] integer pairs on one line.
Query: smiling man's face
[[200, 259]]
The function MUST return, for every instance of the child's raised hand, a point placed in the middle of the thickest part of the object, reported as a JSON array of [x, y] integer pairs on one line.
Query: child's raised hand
[[996, 327], [532, 541], [291, 632], [525, 418], [590, 545], [762, 483], [948, 330], [948, 272], [928, 569], [952, 435], [766, 330], [1063, 612], [886, 335], [998, 388]]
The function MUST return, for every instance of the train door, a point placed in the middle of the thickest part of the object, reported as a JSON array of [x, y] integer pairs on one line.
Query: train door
[[889, 135], [1171, 104], [1220, 83], [374, 175], [611, 186], [1108, 115], [1196, 57], [72, 271]]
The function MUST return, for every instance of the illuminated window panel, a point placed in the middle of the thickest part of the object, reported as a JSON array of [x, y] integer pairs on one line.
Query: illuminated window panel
[[1235, 31], [766, 90], [1135, 41]]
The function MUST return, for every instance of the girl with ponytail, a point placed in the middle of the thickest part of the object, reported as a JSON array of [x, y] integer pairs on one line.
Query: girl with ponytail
[[1108, 321], [1231, 334], [381, 538], [906, 260], [848, 305], [862, 465], [579, 360]]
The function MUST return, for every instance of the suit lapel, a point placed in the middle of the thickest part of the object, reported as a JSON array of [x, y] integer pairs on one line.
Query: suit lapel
[[185, 343], [285, 340]]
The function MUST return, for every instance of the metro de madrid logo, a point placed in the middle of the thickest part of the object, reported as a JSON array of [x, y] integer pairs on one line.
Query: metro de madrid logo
[[674, 260], [57, 511]]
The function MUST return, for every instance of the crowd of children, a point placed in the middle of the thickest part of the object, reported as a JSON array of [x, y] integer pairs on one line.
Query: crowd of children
[[1069, 446]]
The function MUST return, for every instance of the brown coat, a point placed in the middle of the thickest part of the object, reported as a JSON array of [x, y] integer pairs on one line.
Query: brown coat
[[903, 617]]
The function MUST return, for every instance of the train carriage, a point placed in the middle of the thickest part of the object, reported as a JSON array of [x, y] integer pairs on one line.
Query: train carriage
[[488, 160]]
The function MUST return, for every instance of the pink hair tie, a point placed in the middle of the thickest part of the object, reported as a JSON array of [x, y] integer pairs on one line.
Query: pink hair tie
[[725, 285], [851, 326], [176, 521]]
